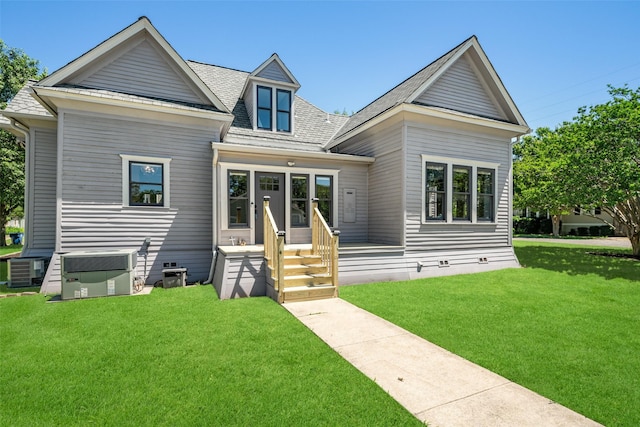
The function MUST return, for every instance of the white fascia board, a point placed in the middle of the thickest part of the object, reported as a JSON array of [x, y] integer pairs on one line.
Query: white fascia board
[[435, 113], [277, 59], [66, 96], [143, 24], [248, 149], [423, 87]]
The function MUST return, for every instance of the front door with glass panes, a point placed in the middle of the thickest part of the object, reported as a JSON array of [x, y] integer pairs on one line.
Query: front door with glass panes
[[272, 185]]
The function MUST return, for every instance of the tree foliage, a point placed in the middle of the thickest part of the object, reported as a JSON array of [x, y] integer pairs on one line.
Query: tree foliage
[[15, 69], [591, 161], [539, 162]]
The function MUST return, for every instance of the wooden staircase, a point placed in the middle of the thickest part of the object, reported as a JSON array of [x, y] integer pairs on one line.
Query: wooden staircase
[[301, 272], [305, 277]]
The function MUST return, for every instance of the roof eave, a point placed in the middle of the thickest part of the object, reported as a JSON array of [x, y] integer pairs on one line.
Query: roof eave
[[249, 149], [44, 94], [516, 129]]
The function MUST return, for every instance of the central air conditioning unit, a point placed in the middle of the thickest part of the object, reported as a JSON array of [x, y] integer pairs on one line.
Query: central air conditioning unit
[[98, 273], [26, 271]]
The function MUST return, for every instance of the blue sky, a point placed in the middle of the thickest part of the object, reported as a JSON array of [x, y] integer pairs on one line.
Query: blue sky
[[553, 57]]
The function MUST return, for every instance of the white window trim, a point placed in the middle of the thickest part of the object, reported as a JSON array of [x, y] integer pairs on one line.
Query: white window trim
[[274, 106], [474, 165], [225, 167], [166, 173]]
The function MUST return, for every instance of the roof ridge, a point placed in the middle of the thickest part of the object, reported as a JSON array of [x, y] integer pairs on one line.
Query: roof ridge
[[217, 66], [417, 72]]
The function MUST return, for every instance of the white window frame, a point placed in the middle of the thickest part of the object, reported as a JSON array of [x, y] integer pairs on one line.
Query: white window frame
[[225, 167], [474, 165], [166, 173]]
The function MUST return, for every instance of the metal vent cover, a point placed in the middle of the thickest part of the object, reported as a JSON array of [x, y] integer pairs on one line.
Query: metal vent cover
[[102, 261]]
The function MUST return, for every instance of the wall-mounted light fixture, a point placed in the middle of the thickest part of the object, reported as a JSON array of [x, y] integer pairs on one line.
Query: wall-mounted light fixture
[[291, 163]]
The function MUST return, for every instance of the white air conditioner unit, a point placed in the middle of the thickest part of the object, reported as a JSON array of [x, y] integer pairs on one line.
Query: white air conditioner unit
[[98, 273], [26, 271]]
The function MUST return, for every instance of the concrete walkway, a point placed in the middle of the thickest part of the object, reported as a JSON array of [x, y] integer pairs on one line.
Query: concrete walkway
[[435, 385], [612, 242]]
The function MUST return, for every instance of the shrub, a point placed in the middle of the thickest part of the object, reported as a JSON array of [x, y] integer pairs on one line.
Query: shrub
[[606, 230], [10, 230], [583, 231], [594, 230]]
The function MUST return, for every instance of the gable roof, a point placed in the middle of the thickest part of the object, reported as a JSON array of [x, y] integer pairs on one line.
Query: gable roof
[[412, 88], [141, 26], [313, 127], [275, 63]]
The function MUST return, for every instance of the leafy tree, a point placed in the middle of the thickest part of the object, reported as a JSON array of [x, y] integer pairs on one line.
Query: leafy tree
[[604, 148], [15, 69], [592, 161], [540, 163]]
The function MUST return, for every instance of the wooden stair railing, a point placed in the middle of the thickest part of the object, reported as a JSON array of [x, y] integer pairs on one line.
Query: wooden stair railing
[[324, 248], [274, 250], [324, 243]]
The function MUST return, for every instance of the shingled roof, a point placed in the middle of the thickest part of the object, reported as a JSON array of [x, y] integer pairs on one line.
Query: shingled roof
[[399, 94], [313, 127], [24, 104]]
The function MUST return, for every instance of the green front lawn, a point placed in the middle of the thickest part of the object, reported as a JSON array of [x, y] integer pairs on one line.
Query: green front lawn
[[176, 357], [566, 326], [4, 250]]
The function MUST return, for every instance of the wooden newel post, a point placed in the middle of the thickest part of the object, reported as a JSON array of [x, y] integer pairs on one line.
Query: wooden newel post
[[315, 226], [265, 229], [334, 260], [280, 266]]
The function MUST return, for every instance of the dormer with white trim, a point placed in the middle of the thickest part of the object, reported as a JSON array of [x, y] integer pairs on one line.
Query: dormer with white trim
[[269, 95]]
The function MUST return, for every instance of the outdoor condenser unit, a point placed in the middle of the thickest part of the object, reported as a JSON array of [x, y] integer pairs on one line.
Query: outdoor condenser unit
[[98, 273], [27, 271]]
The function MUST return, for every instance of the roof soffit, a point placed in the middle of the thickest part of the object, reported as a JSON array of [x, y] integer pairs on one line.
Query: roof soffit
[[121, 43]]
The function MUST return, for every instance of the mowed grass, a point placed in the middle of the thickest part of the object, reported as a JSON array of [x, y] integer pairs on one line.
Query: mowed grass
[[567, 326], [176, 357]]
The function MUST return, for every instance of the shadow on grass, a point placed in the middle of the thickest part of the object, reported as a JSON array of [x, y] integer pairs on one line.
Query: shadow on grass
[[578, 261]]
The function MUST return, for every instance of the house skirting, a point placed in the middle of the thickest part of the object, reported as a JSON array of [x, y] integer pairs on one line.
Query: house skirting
[[240, 271]]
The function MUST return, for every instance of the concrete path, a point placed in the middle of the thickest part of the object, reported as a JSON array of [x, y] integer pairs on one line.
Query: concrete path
[[435, 385]]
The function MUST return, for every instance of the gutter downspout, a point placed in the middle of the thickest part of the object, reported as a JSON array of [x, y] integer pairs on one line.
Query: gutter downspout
[[19, 127], [214, 228]]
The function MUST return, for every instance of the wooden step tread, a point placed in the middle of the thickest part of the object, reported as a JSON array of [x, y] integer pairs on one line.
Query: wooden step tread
[[309, 287]]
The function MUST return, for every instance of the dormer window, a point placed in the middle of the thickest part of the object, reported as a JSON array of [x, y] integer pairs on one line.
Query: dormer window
[[283, 120], [269, 100], [264, 107]]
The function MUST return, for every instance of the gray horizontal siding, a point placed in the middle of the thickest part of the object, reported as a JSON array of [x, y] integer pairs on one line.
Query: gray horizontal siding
[[143, 71], [385, 214], [353, 176], [93, 215], [273, 71], [239, 276], [447, 143], [361, 269], [44, 190], [460, 89]]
